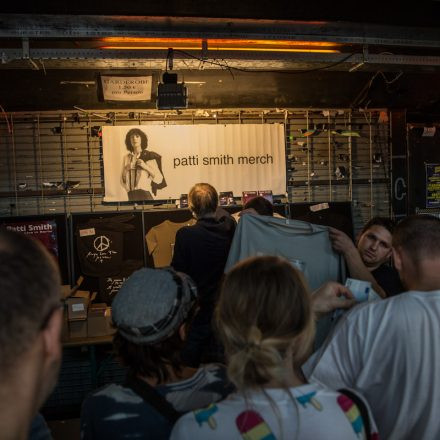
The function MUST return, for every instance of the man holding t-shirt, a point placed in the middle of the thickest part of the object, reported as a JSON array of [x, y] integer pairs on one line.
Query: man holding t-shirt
[[388, 350], [369, 260]]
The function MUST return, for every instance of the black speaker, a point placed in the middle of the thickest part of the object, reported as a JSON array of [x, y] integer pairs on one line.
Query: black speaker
[[170, 94]]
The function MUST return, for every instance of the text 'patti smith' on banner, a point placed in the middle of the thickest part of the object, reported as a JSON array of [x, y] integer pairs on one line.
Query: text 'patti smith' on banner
[[158, 162]]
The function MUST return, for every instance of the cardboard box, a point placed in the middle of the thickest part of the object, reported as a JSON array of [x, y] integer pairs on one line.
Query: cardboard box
[[67, 290], [99, 320], [78, 329], [77, 307]]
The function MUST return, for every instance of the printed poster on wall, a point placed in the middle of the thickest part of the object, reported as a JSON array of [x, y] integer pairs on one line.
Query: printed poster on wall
[[126, 88], [432, 185], [159, 162], [42, 230]]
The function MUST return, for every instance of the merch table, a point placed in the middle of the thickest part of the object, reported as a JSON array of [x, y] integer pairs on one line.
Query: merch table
[[90, 344], [88, 363]]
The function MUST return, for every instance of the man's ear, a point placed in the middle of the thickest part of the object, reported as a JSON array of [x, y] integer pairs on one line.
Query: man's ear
[[51, 354], [52, 335], [183, 332], [390, 253], [357, 238], [397, 258]]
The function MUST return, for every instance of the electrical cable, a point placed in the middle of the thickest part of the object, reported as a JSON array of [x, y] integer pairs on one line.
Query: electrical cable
[[363, 94], [7, 120], [288, 72], [43, 66], [169, 60], [87, 113], [387, 81], [229, 69]]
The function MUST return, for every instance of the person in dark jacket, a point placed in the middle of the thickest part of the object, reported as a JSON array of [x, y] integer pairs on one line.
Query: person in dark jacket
[[201, 252]]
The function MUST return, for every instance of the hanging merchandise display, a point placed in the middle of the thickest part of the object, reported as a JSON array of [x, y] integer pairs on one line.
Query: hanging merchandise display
[[340, 172], [100, 244], [44, 231], [107, 249], [160, 241], [50, 230], [346, 133], [226, 198], [109, 285]]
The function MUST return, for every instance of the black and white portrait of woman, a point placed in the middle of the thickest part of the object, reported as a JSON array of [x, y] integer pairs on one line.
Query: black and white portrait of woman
[[141, 174]]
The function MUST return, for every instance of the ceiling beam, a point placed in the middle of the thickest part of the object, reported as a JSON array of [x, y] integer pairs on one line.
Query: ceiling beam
[[82, 58], [92, 26]]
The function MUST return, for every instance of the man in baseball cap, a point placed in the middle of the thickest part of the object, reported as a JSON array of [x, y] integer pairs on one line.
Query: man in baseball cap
[[152, 313]]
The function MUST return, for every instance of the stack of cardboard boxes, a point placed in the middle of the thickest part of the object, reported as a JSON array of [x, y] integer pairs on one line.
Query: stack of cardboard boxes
[[84, 319]]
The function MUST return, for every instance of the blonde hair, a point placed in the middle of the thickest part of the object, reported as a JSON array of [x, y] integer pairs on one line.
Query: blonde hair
[[264, 310]]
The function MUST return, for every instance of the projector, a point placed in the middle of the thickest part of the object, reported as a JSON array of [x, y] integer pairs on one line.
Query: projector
[[170, 94]]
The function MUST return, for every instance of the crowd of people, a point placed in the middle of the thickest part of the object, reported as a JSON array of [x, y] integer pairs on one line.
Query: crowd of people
[[229, 356]]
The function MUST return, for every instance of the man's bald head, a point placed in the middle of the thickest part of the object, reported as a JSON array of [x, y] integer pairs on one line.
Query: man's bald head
[[203, 200]]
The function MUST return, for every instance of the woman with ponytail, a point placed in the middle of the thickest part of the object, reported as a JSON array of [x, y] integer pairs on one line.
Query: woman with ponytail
[[265, 320]]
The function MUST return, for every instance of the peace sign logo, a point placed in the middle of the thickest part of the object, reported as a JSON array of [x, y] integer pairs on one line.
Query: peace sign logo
[[101, 243]]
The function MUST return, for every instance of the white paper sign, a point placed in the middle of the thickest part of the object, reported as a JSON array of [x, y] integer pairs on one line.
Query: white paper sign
[[126, 88], [148, 162], [86, 232], [428, 131], [319, 207], [77, 307]]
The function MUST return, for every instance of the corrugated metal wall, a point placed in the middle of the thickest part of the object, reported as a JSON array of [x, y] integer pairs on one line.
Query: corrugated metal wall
[[52, 162]]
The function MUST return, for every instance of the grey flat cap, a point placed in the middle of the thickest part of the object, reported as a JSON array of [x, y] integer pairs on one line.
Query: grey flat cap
[[152, 304]]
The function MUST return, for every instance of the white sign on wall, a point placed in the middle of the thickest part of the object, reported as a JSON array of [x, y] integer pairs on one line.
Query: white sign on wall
[[147, 162], [126, 88]]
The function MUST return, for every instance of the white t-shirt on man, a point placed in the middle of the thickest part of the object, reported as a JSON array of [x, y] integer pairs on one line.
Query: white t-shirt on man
[[389, 351]]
